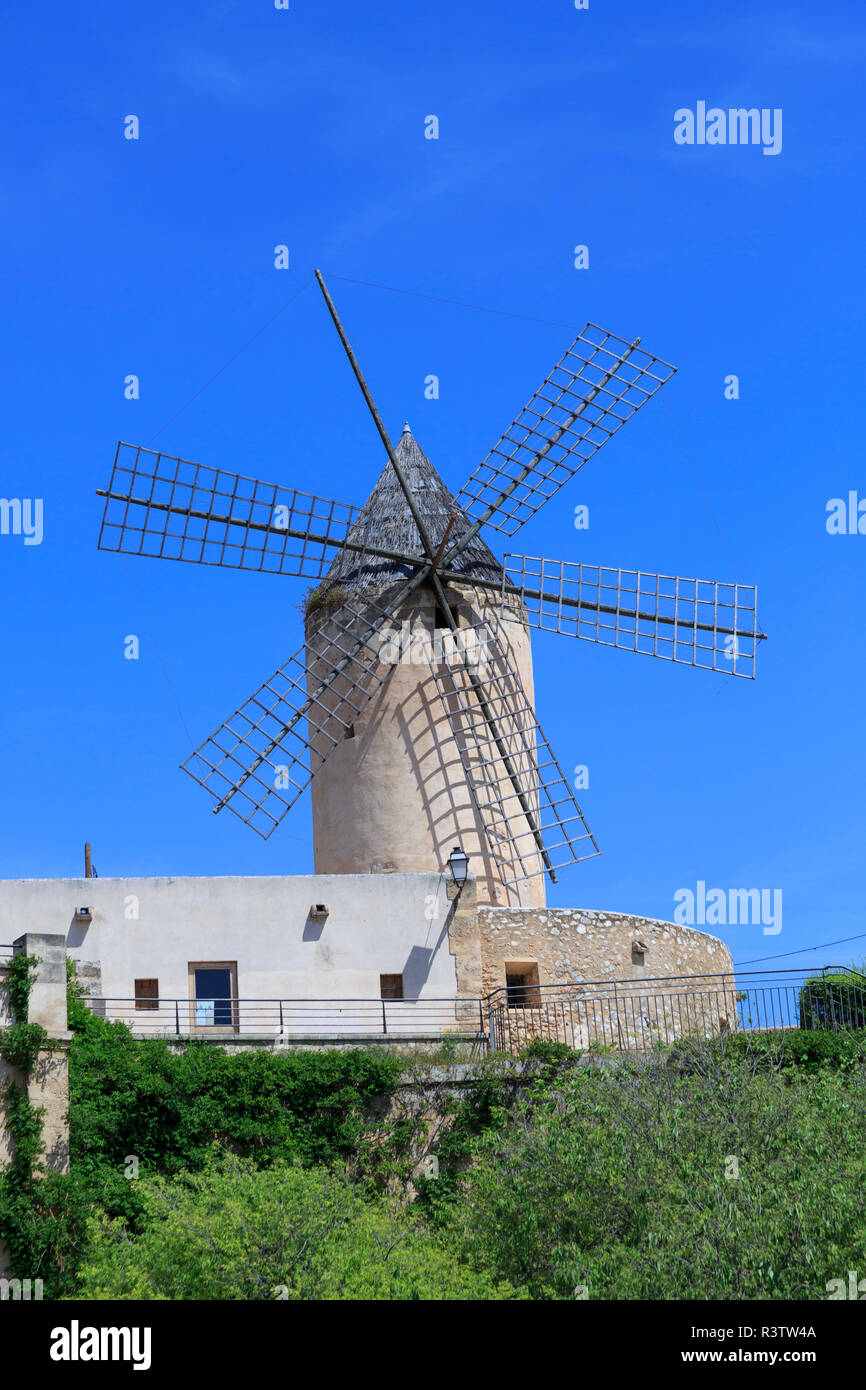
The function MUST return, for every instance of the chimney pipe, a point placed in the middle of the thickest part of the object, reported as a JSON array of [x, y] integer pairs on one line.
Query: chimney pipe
[[88, 861]]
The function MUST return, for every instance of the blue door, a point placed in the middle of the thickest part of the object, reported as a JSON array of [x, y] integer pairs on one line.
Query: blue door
[[213, 990]]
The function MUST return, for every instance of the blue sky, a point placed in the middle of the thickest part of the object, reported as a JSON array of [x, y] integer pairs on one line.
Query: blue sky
[[155, 257]]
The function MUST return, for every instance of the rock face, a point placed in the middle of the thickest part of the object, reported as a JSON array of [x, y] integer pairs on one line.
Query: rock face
[[393, 795]]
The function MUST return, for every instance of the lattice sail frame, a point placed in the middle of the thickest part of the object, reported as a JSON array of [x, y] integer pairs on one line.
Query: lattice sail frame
[[261, 759], [695, 622], [558, 819], [599, 383], [171, 508]]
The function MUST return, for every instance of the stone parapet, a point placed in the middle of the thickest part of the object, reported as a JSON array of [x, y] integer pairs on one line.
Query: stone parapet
[[576, 944]]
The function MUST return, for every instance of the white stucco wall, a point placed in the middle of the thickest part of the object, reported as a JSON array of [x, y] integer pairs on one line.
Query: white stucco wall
[[377, 924]]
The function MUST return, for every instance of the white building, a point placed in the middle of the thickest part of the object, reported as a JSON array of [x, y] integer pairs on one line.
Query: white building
[[342, 955]]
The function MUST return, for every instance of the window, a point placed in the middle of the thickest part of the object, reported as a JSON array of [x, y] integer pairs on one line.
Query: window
[[213, 994], [391, 986], [521, 984], [147, 994]]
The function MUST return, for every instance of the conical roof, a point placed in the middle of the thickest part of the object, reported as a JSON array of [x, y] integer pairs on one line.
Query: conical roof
[[385, 522]]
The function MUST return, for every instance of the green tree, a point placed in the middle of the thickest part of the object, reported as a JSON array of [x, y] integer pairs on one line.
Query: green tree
[[233, 1231], [703, 1175]]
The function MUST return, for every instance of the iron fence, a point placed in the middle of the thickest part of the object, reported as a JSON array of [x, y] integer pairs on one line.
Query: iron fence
[[638, 1015], [628, 1015], [294, 1018]]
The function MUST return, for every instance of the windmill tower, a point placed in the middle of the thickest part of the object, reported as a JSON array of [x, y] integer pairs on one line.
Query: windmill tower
[[394, 796], [410, 705]]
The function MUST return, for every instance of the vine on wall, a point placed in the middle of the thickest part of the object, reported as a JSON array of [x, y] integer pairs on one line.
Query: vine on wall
[[20, 1045]]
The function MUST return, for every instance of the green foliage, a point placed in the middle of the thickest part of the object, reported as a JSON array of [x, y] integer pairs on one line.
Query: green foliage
[[77, 1013], [543, 1059], [323, 598], [621, 1178], [483, 1111], [616, 1175], [42, 1214], [805, 1050], [21, 1044], [233, 1231], [24, 1123], [832, 1001], [44, 1223], [132, 1096], [19, 983]]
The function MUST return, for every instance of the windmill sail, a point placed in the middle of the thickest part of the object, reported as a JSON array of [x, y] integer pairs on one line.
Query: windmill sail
[[261, 759], [696, 622], [168, 507], [413, 535], [530, 816], [599, 383]]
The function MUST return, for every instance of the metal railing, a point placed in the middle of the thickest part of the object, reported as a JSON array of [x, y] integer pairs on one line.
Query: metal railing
[[637, 1015], [294, 1018], [628, 1015]]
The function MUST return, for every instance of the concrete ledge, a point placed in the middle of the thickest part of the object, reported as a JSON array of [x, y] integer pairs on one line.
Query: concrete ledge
[[465, 1044]]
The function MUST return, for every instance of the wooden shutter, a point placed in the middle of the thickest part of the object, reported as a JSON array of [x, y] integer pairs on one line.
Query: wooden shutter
[[146, 994]]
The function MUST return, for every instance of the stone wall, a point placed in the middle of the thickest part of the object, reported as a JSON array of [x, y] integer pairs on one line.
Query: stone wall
[[606, 979], [576, 944], [48, 1083]]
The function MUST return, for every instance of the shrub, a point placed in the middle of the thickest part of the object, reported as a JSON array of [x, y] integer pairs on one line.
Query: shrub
[[794, 1048], [543, 1058], [323, 598], [236, 1232], [132, 1096], [703, 1177], [43, 1224], [833, 1001]]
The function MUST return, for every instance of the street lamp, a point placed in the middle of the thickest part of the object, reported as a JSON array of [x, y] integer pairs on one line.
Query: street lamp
[[458, 863]]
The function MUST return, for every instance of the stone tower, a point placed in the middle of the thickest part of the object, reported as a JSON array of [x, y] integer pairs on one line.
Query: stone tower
[[393, 796]]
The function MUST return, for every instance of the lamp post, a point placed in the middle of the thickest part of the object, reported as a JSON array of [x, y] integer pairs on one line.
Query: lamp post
[[458, 863]]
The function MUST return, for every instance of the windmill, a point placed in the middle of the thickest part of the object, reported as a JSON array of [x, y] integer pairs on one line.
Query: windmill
[[409, 754]]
